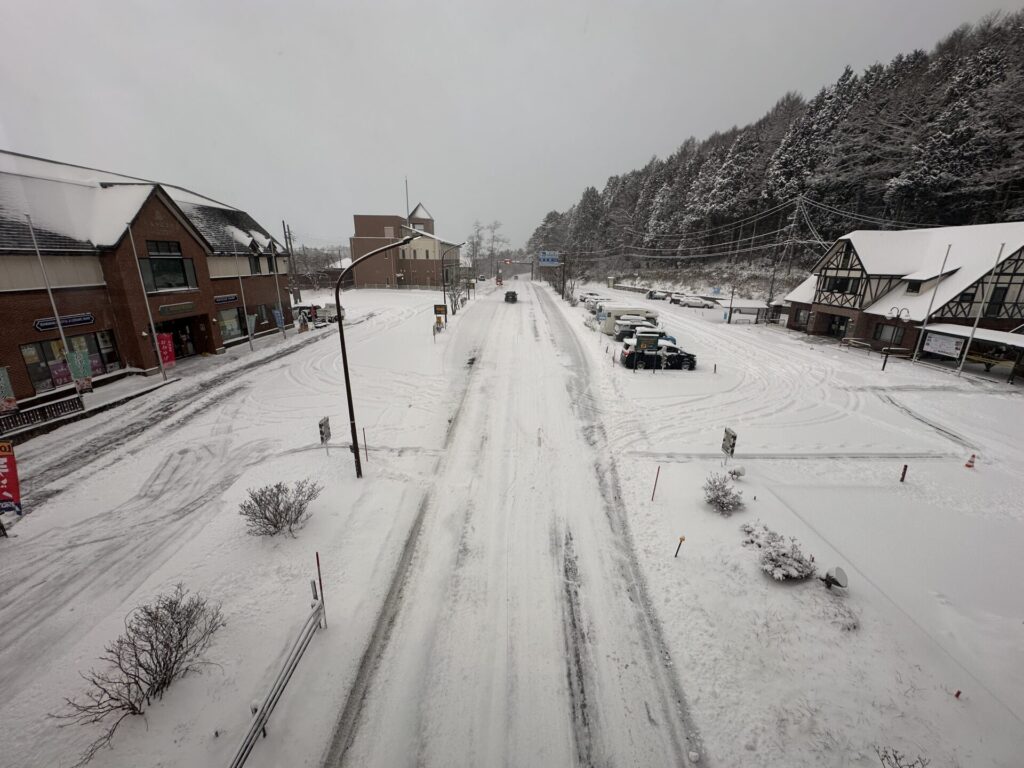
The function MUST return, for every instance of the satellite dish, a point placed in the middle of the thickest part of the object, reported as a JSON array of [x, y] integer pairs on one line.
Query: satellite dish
[[836, 577]]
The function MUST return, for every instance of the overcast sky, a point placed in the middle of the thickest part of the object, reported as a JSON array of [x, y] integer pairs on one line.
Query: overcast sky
[[311, 112]]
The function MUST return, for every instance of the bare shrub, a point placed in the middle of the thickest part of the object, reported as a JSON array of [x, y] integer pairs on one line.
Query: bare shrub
[[275, 508], [892, 758], [719, 493], [162, 641], [781, 559]]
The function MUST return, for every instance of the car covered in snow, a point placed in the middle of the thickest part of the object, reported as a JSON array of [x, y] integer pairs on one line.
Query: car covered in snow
[[584, 295], [691, 301], [629, 325], [664, 355], [658, 295]]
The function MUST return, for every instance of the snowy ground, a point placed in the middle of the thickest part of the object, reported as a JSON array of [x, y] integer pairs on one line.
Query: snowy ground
[[500, 587]]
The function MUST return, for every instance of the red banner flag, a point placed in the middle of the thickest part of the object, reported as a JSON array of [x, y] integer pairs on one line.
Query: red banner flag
[[10, 491], [165, 343]]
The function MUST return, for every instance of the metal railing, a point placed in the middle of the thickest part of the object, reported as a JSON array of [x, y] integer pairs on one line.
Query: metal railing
[[40, 414], [262, 715]]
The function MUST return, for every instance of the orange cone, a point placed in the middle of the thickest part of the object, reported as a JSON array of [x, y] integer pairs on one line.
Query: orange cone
[[970, 462]]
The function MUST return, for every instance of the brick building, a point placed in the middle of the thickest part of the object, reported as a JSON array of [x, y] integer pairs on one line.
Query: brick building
[[415, 265], [878, 287], [196, 257]]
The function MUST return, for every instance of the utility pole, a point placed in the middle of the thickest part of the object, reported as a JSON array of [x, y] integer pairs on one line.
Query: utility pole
[[53, 306], [733, 293]]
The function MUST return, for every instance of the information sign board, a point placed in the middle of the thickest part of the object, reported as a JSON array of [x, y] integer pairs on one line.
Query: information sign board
[[948, 346], [10, 491]]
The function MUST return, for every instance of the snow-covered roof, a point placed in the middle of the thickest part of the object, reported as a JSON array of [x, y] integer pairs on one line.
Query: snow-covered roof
[[982, 334], [79, 208], [803, 293], [438, 238], [920, 251], [419, 212], [743, 303], [65, 215]]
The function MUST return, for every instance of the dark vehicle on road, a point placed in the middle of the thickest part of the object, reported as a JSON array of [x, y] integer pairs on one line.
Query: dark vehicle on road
[[666, 355], [511, 297]]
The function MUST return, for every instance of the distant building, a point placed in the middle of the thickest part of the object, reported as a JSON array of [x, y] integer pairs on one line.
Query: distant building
[[877, 286], [415, 265], [191, 251]]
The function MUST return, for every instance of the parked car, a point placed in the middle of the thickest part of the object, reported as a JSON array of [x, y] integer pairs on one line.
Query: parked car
[[511, 297], [692, 301], [660, 333], [668, 355], [593, 302], [481, 278], [658, 295], [628, 325], [584, 295]]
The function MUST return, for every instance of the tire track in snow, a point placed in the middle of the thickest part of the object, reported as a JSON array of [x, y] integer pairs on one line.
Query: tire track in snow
[[679, 726]]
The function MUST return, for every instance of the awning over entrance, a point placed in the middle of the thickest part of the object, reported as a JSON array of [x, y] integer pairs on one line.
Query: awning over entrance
[[1005, 338]]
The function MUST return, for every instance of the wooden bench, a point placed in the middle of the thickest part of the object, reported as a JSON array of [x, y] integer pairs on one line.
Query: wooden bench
[[989, 362]]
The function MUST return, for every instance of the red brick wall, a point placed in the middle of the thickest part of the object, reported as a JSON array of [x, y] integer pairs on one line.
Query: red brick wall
[[121, 305], [21, 309]]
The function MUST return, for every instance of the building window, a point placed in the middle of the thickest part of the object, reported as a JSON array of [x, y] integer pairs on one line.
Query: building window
[[914, 286], [802, 316], [261, 312], [418, 227], [47, 368], [231, 323], [414, 254], [254, 265], [165, 269], [995, 302], [967, 297], [891, 334], [842, 285], [389, 231], [271, 264]]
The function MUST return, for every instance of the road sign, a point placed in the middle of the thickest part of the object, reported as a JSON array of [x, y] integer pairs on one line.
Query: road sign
[[10, 491], [325, 430], [549, 259], [647, 343], [441, 309], [729, 442]]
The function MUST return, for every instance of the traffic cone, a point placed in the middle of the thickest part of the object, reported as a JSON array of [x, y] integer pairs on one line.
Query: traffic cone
[[970, 462]]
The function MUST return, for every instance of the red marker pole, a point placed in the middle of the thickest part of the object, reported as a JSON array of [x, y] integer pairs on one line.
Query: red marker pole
[[656, 476], [903, 474]]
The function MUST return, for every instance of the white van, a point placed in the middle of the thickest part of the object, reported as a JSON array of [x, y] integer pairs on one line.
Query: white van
[[608, 315]]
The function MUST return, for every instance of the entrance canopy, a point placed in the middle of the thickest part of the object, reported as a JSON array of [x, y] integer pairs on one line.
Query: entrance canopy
[[1005, 338]]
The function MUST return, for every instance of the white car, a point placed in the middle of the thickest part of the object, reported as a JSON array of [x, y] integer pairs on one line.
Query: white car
[[692, 301]]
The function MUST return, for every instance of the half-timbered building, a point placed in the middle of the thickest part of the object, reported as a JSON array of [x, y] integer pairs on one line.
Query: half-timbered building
[[879, 287]]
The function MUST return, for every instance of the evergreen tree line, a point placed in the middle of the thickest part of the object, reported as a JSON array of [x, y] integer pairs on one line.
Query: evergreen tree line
[[927, 139]]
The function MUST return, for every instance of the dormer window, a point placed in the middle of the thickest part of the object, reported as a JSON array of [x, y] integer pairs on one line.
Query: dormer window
[[913, 286]]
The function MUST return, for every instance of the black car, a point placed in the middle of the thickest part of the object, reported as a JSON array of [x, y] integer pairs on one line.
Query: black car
[[511, 297], [667, 355]]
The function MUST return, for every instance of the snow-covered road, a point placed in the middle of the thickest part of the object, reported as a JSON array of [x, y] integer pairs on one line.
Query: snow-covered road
[[501, 587], [524, 634]]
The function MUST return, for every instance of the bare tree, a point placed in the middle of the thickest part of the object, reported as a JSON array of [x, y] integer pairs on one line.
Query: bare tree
[[892, 758], [162, 641], [494, 243], [475, 246], [275, 508]]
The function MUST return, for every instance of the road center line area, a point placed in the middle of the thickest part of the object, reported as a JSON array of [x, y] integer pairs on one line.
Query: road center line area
[[506, 586]]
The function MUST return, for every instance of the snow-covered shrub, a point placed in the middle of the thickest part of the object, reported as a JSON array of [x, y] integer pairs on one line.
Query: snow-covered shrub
[[719, 493], [162, 641], [781, 558], [892, 758], [275, 508]]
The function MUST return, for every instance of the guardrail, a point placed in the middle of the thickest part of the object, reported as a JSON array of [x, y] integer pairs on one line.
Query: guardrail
[[40, 414], [262, 714]]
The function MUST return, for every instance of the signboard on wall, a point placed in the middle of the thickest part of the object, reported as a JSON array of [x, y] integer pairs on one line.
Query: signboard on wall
[[10, 491], [8, 402], [948, 346], [165, 343], [66, 321], [227, 298]]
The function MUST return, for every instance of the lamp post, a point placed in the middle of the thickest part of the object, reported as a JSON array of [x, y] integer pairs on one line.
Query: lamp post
[[444, 253], [341, 336]]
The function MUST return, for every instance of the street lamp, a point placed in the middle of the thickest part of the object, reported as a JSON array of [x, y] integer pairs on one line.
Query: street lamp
[[341, 335], [444, 253]]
